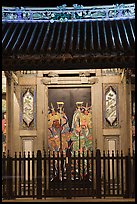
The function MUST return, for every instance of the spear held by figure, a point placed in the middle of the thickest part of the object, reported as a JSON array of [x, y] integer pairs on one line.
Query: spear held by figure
[[79, 134], [60, 106]]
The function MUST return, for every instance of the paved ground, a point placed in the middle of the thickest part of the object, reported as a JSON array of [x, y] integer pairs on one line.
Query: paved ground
[[78, 199]]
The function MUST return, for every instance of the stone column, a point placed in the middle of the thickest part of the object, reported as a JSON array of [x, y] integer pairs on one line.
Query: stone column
[[40, 115], [97, 114], [46, 118], [129, 114], [10, 113], [123, 117]]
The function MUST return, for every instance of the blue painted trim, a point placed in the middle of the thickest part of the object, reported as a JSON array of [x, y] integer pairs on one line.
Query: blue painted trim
[[68, 14]]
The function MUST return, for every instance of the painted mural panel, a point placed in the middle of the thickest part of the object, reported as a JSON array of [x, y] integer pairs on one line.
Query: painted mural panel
[[82, 127], [70, 119]]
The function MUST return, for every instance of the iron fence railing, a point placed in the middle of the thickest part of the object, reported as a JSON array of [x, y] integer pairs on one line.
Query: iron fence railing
[[67, 174]]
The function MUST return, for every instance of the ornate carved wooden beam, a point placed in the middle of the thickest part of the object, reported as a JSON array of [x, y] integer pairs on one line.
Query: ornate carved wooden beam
[[52, 62], [64, 13]]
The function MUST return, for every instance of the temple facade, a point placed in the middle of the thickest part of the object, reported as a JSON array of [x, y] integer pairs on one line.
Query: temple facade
[[92, 108], [70, 79]]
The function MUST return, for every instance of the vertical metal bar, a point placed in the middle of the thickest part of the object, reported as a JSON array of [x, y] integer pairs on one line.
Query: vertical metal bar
[[68, 173], [62, 173], [45, 175], [58, 171], [4, 175], [60, 135], [122, 175], [9, 177], [126, 179], [79, 135], [75, 183], [83, 169], [88, 180], [39, 175], [79, 172], [33, 175], [19, 174], [54, 173], [128, 175], [117, 164], [108, 173], [15, 167], [49, 169], [24, 171], [113, 181], [104, 172], [28, 173], [133, 192], [92, 172], [98, 174]]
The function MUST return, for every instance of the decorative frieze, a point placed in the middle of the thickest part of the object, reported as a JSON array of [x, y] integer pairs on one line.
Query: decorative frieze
[[64, 13], [69, 80], [28, 72], [111, 72]]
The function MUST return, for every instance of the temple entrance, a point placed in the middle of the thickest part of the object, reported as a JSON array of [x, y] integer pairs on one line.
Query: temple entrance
[[69, 119]]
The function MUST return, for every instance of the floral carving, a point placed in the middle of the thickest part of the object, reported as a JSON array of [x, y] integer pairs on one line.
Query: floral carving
[[28, 104], [111, 106]]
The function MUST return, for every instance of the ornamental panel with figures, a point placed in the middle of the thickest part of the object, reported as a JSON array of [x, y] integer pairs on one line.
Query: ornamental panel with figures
[[110, 106], [28, 108]]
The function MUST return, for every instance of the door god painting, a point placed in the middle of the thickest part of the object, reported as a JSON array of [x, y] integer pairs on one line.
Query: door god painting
[[58, 128], [70, 121], [82, 127]]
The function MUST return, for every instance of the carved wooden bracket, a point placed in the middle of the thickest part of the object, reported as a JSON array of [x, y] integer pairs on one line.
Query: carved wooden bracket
[[93, 80], [55, 79], [84, 74], [45, 81]]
